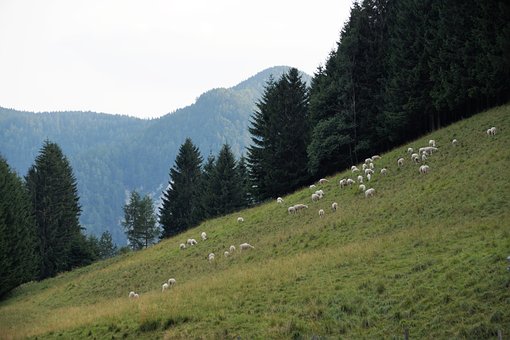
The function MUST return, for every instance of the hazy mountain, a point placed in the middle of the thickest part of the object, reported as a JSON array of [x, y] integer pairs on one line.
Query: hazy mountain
[[113, 154]]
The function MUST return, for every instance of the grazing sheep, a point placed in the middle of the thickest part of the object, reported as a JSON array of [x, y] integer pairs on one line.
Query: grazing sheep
[[226, 253], [371, 166], [354, 168], [136, 296], [291, 210], [492, 131], [424, 169], [312, 186], [424, 157], [131, 295], [432, 143], [164, 287], [360, 179], [362, 187], [203, 235], [427, 149], [334, 206], [246, 246], [191, 241], [369, 177], [368, 160], [350, 181], [369, 171], [320, 193], [400, 162], [454, 142], [384, 171], [182, 246], [376, 157], [210, 257], [370, 192], [343, 182], [232, 249], [363, 167], [279, 200], [171, 281], [323, 181], [300, 206], [240, 219], [410, 150], [321, 212], [315, 197], [415, 158]]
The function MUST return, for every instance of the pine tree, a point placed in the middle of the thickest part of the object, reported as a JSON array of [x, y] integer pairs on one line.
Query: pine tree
[[55, 202], [181, 207], [206, 195], [140, 221], [244, 180], [106, 246], [18, 242]]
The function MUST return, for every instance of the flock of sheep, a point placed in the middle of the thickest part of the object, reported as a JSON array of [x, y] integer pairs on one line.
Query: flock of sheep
[[367, 168]]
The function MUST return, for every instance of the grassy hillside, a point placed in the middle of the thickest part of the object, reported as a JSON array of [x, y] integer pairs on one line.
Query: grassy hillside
[[427, 253]]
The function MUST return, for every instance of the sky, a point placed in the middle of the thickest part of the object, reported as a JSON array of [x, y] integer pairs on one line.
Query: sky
[[149, 58]]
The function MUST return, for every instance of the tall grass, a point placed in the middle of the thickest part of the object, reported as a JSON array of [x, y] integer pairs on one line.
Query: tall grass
[[427, 254]]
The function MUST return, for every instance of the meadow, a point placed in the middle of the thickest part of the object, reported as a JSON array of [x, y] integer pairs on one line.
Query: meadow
[[427, 253]]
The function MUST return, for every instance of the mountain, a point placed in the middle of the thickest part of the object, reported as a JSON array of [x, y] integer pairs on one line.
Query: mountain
[[113, 154], [426, 253]]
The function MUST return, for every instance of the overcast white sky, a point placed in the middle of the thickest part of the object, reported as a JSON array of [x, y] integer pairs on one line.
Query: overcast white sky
[[148, 58]]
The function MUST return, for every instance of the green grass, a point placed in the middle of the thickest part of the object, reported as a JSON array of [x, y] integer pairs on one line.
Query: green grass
[[427, 253]]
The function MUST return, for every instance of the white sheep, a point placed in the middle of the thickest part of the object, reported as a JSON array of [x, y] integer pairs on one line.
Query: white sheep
[[203, 235], [454, 142], [232, 249], [171, 281], [343, 182], [360, 179], [369, 177], [182, 246], [323, 181], [368, 160], [320, 193], [492, 131], [131, 294], [210, 257], [321, 212], [246, 246], [376, 157], [191, 241], [427, 149], [279, 200], [400, 162], [371, 166], [312, 186], [315, 197], [300, 206], [291, 210], [384, 171], [424, 157], [226, 254], [410, 150], [369, 171], [432, 143], [362, 187], [164, 287], [415, 158], [369, 192], [424, 169], [364, 166], [350, 181], [354, 168], [240, 219], [136, 296], [334, 206]]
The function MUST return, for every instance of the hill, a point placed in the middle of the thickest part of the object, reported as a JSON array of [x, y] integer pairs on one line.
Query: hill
[[112, 154], [427, 253]]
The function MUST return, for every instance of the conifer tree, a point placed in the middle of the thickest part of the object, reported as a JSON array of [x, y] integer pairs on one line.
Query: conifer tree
[[55, 202], [18, 243], [206, 195], [181, 207], [244, 180], [140, 221]]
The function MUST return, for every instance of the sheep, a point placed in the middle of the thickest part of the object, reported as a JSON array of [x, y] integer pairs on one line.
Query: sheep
[[432, 143], [362, 187], [492, 131], [136, 296], [232, 249], [384, 171], [191, 241], [363, 167], [427, 149], [376, 157], [312, 186], [291, 210], [415, 158], [246, 246], [371, 165], [368, 160], [424, 169], [454, 142], [164, 287], [182, 246], [360, 179], [240, 219], [369, 177], [334, 206], [321, 212], [424, 157], [369, 171], [410, 150], [226, 254], [370, 192], [400, 162], [279, 200], [171, 281], [343, 182], [131, 294], [210, 257], [323, 181], [320, 193], [354, 168], [203, 235], [350, 181], [315, 197], [300, 206]]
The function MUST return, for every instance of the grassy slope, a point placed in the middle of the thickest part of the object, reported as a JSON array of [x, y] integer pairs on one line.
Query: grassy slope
[[426, 253]]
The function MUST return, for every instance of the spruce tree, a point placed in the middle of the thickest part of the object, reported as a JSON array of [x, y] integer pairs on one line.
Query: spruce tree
[[106, 246], [244, 180], [206, 195], [55, 202], [181, 207], [140, 221], [18, 242]]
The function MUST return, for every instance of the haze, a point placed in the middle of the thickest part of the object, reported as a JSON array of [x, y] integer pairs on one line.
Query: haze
[[149, 58]]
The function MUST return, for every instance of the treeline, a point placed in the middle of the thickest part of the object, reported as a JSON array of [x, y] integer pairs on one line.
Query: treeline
[[40, 235]]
